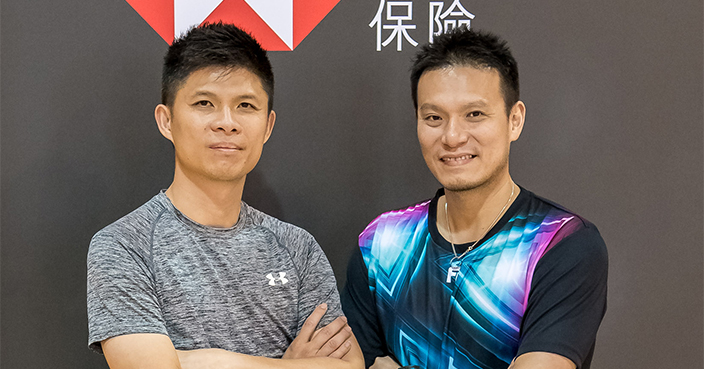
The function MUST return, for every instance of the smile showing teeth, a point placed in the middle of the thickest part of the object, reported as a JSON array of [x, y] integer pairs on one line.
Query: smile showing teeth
[[458, 158]]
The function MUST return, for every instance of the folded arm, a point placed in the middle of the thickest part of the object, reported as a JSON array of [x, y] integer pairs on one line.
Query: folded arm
[[221, 359], [334, 346], [155, 351]]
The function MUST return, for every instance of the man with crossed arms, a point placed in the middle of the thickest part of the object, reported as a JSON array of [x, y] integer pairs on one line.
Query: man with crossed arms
[[196, 278]]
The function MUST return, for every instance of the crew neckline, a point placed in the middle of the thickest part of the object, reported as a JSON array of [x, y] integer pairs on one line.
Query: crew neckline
[[439, 240], [166, 201]]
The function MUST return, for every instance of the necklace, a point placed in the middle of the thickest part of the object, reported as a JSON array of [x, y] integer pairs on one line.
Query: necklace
[[456, 261]]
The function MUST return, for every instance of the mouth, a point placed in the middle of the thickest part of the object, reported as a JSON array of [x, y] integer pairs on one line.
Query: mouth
[[457, 158], [225, 146]]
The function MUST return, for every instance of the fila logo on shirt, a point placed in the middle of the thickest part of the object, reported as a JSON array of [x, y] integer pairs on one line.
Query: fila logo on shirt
[[281, 278], [279, 25]]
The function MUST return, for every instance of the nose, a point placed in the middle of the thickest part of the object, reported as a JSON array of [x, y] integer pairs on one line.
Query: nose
[[226, 122], [454, 134]]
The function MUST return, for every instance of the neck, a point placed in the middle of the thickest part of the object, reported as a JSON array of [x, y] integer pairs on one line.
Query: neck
[[208, 202], [472, 212]]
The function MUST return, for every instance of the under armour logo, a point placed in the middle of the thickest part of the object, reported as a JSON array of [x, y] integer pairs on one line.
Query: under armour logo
[[281, 278]]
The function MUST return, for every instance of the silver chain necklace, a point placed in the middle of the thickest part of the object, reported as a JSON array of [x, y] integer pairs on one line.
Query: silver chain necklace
[[456, 261]]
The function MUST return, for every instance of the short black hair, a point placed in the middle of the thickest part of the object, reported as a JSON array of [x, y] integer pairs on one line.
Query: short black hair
[[214, 45], [461, 46]]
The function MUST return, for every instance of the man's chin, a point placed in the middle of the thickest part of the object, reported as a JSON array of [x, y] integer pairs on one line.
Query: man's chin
[[225, 177], [460, 186], [227, 174]]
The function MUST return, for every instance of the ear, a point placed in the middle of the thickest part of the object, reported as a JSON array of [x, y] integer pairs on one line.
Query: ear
[[162, 115], [270, 125], [516, 119]]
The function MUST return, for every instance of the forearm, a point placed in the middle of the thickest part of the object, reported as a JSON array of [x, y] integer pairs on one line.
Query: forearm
[[222, 359], [542, 360], [332, 347], [140, 351]]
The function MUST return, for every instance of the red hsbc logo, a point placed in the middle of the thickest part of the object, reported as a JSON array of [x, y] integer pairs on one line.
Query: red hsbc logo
[[277, 24]]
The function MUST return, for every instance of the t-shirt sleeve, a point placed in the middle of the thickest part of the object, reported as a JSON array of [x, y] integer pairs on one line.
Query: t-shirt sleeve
[[567, 300], [318, 285], [359, 304], [121, 296]]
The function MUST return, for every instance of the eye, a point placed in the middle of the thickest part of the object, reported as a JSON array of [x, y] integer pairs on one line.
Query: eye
[[432, 120], [203, 103], [475, 114], [246, 105]]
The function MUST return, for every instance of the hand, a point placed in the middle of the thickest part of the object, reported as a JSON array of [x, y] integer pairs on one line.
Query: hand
[[385, 362], [333, 340]]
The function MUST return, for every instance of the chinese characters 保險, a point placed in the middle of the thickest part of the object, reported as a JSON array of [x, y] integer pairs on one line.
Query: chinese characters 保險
[[400, 15]]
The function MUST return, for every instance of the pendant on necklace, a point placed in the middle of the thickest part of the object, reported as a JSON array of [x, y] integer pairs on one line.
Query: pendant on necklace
[[453, 270]]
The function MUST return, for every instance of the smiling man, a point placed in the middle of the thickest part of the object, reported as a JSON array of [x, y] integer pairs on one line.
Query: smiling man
[[196, 278], [485, 274]]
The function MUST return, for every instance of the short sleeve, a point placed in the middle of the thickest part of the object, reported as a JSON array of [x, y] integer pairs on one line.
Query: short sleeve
[[359, 304], [567, 300], [318, 285], [121, 296]]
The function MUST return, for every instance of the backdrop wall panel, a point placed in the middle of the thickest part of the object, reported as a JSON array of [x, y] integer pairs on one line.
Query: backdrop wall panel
[[614, 131]]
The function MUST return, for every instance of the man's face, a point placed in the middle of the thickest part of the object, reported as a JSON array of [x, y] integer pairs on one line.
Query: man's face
[[218, 124], [463, 129]]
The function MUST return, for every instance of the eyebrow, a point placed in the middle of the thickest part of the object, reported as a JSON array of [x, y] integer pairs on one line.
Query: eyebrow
[[429, 106], [470, 105], [202, 93], [212, 94], [477, 104], [247, 96]]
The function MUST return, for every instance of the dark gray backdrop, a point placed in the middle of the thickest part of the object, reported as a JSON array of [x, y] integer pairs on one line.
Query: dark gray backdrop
[[613, 131]]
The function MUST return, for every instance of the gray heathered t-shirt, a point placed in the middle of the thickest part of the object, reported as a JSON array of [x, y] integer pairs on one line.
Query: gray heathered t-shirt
[[245, 289]]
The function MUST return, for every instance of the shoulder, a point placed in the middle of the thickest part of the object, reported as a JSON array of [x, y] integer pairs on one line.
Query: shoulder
[[576, 243], [579, 247], [394, 235], [409, 216], [285, 232], [551, 211], [130, 231]]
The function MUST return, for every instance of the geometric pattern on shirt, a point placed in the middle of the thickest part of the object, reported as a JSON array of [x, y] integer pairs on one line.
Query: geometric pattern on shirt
[[473, 322]]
